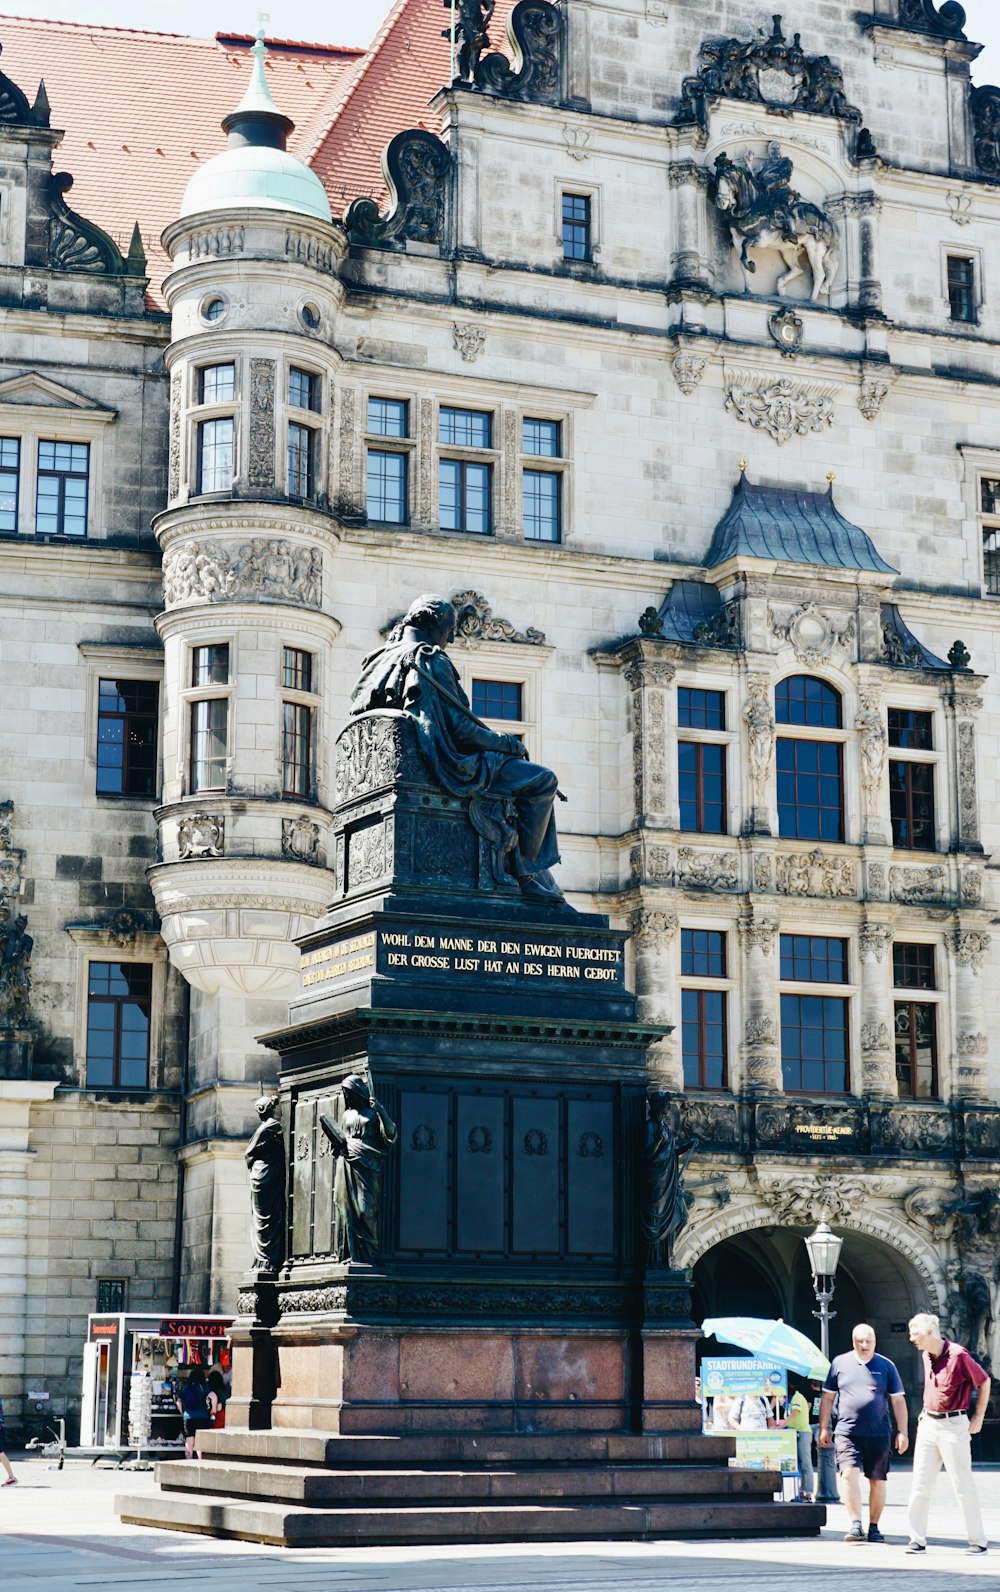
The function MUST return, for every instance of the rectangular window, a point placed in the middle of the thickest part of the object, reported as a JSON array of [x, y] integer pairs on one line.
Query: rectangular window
[[541, 507], [703, 953], [386, 487], [913, 966], [989, 492], [209, 741], [10, 478], [703, 1038], [296, 749], [496, 699], [465, 428], [701, 779], [916, 1050], [814, 1051], [465, 493], [215, 455], [576, 226], [813, 959], [303, 389], [301, 451], [700, 710], [217, 384], [541, 438], [911, 730], [110, 1296], [911, 805], [962, 287], [210, 665], [388, 417], [63, 474], [119, 1004], [810, 790], [297, 669], [127, 712]]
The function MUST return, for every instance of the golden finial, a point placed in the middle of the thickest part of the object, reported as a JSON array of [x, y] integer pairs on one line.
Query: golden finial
[[743, 467], [830, 477]]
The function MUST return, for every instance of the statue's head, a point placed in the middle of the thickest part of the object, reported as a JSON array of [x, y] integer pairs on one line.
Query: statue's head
[[433, 615], [355, 1088], [267, 1106]]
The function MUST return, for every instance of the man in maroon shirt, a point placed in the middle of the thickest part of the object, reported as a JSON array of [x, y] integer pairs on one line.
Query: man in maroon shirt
[[951, 1377]]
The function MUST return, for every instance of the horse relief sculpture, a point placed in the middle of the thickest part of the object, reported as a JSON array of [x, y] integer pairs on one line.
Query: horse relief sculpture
[[763, 211]]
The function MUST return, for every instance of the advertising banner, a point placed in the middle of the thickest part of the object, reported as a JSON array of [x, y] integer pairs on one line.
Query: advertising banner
[[739, 1395]]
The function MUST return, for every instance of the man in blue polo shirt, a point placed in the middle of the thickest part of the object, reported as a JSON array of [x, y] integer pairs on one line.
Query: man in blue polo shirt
[[865, 1384]]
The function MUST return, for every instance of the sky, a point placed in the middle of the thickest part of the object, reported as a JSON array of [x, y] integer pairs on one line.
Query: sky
[[351, 21]]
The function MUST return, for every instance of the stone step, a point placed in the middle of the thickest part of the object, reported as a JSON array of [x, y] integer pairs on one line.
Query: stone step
[[333, 1451], [309, 1485], [285, 1526]]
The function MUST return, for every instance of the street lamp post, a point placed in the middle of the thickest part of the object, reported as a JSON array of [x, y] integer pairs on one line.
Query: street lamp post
[[823, 1248]]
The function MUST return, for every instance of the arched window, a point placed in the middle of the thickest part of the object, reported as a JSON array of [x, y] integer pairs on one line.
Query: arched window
[[810, 767]]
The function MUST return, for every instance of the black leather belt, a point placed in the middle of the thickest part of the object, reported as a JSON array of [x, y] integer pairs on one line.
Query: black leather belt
[[944, 1415]]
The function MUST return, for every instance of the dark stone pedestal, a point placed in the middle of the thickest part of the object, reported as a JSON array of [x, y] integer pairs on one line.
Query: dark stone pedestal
[[16, 1049]]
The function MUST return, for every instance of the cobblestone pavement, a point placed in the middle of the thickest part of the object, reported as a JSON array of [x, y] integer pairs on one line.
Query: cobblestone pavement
[[58, 1531]]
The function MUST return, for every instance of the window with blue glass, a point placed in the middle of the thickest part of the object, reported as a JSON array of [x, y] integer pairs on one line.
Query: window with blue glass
[[63, 480], [465, 485], [10, 481], [497, 699], [465, 428], [301, 460], [388, 470], [127, 713], [700, 710], [542, 438], [810, 774], [701, 782], [703, 953], [576, 226], [541, 505], [303, 389], [802, 699], [703, 1011], [911, 781], [814, 1027], [119, 1008], [813, 959]]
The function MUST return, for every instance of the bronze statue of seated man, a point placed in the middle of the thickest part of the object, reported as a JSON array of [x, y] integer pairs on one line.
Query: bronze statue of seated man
[[511, 800]]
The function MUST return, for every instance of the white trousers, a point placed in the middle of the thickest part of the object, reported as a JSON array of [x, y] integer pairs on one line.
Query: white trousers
[[944, 1443]]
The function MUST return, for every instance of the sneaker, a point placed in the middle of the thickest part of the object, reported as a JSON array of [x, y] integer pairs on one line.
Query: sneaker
[[12, 1482], [856, 1534], [916, 1547], [874, 1534], [977, 1547]]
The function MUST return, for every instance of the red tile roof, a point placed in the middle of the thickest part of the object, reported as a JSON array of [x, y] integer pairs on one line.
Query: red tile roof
[[140, 110]]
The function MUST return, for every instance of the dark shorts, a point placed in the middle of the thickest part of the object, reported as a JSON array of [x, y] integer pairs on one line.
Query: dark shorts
[[193, 1424], [868, 1454]]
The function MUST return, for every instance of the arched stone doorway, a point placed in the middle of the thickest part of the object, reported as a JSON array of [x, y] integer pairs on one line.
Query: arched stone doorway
[[765, 1272]]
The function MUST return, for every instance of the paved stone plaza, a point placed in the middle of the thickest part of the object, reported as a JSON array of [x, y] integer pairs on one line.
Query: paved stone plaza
[[59, 1532]]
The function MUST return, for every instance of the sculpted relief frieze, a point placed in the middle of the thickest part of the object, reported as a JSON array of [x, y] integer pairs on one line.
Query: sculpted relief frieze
[[783, 406], [813, 873], [812, 632], [914, 885], [263, 570], [707, 870]]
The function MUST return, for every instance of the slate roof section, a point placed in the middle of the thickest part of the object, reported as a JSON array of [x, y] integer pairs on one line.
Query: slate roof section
[[901, 647], [689, 613], [792, 527], [142, 110]]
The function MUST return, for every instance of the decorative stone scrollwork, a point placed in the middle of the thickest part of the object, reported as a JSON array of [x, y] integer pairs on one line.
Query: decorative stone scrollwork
[[260, 451], [972, 887], [759, 720], [786, 328], [960, 206], [897, 650], [263, 570], [872, 743], [972, 1044], [763, 873], [968, 803], [914, 885], [475, 621], [760, 1031], [971, 947], [875, 1037], [125, 927], [469, 340], [687, 370], [366, 757], [418, 169], [652, 929], [875, 939], [722, 630], [877, 883], [367, 861], [811, 873], [201, 835], [174, 447], [79, 245], [801, 1203], [534, 34], [707, 870], [576, 140], [812, 632], [925, 15], [300, 839], [765, 71], [871, 396], [781, 406], [759, 934]]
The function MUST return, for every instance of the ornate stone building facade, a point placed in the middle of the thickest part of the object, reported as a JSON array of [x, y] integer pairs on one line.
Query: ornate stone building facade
[[669, 354]]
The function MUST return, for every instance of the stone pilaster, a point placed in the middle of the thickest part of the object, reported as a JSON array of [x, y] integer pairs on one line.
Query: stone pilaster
[[969, 949], [964, 704], [688, 265], [654, 937], [647, 680], [872, 743], [761, 1030], [17, 1096], [878, 1072], [759, 721]]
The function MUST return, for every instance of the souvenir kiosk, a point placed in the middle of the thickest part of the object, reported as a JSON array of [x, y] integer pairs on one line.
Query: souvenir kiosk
[[165, 1346]]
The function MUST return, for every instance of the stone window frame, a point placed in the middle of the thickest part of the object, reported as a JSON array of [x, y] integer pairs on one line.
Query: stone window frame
[[33, 423], [546, 465], [694, 678], [490, 456], [515, 665], [594, 191], [973, 252], [849, 991], [918, 996], [313, 420], [127, 663], [842, 735], [97, 945], [311, 699], [982, 464], [188, 694], [728, 986], [406, 447], [926, 701], [196, 413]]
